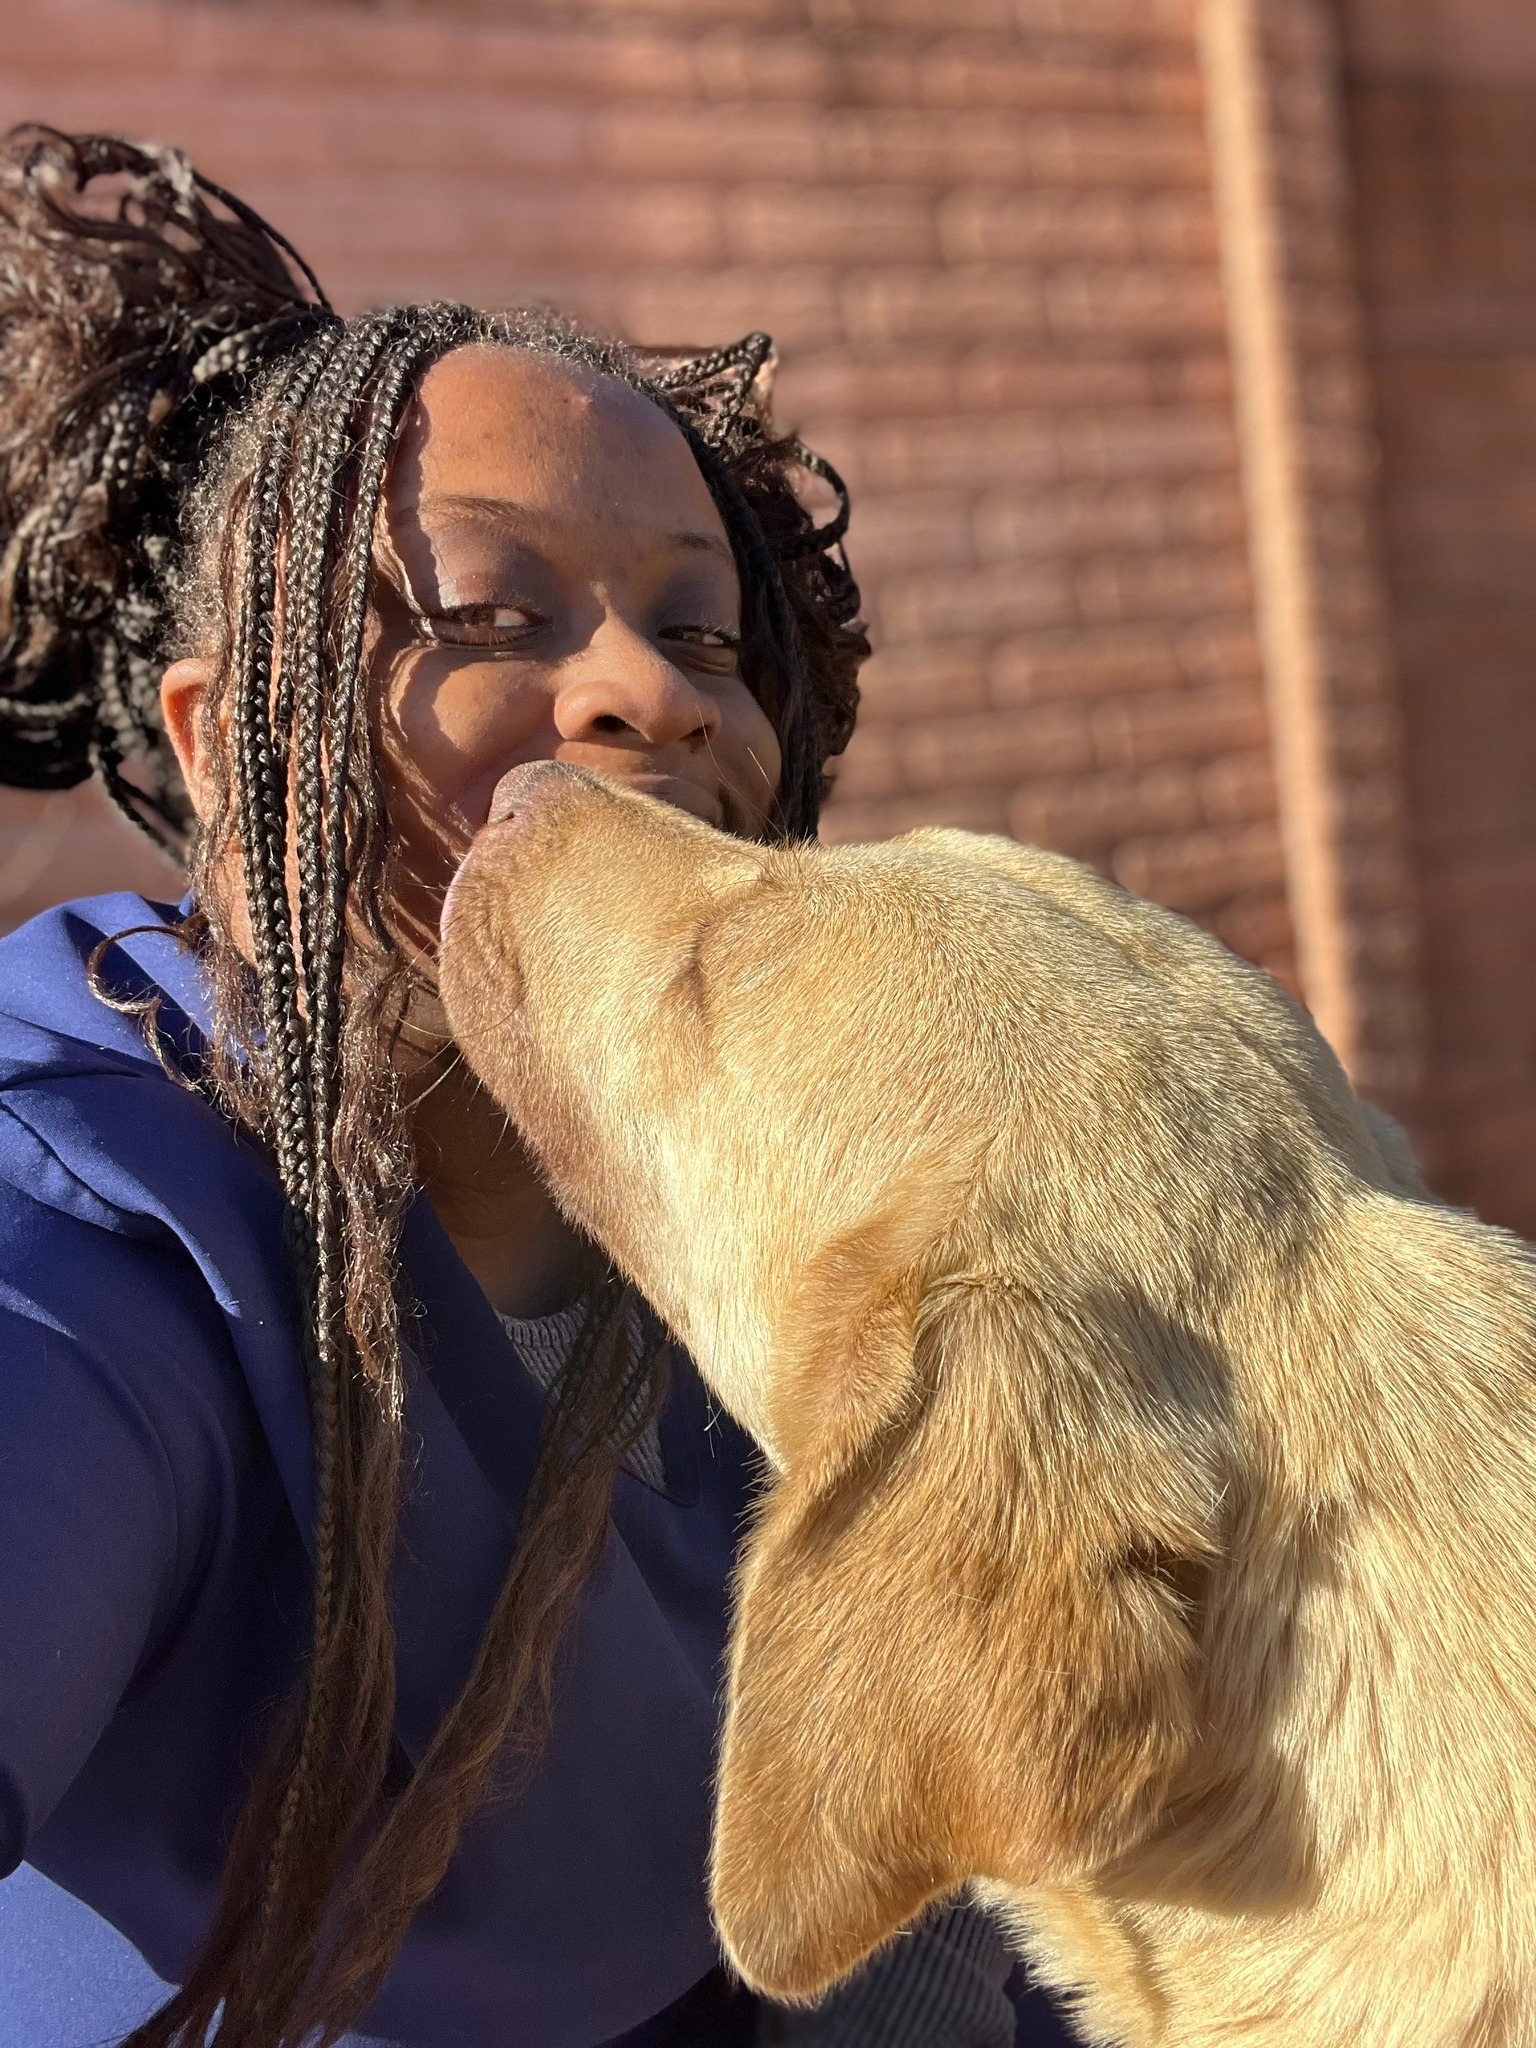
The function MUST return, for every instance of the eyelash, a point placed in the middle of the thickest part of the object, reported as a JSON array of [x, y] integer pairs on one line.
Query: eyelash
[[724, 639], [471, 616]]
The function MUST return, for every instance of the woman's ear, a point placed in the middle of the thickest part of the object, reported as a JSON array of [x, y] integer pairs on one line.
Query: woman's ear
[[969, 1653], [183, 687]]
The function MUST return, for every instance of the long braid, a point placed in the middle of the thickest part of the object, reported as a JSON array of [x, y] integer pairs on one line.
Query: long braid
[[491, 1736], [360, 1378], [349, 1706], [261, 1847], [773, 627], [343, 1744], [281, 539], [343, 1747], [260, 775]]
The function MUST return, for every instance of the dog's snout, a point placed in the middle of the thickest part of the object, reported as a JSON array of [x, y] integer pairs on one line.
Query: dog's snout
[[521, 788]]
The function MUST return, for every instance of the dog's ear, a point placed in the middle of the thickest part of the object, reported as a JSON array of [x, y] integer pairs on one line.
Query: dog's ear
[[968, 1651]]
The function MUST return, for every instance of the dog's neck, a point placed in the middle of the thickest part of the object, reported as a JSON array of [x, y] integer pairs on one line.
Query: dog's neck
[[1349, 1853]]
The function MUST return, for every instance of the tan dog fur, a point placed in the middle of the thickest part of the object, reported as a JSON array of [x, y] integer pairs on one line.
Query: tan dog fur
[[1153, 1533]]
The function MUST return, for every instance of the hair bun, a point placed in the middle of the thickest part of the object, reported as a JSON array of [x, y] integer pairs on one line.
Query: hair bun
[[132, 315]]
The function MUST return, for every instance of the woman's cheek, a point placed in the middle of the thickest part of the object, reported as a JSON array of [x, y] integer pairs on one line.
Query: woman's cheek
[[749, 756], [458, 726]]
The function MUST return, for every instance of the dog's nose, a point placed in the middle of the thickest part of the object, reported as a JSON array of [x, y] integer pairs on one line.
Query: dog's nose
[[518, 790]]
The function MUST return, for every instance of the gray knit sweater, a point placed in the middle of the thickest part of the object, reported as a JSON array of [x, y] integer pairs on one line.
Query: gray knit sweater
[[940, 1984]]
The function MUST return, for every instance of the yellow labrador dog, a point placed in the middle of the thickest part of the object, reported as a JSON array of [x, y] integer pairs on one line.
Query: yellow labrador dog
[[1153, 1537]]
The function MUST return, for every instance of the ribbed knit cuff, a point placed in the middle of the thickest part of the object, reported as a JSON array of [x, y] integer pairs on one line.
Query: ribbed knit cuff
[[939, 1985]]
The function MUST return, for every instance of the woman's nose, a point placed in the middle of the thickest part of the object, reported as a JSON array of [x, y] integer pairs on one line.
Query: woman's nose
[[625, 684]]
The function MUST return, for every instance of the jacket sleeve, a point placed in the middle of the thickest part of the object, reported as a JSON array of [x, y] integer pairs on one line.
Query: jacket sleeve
[[115, 1456]]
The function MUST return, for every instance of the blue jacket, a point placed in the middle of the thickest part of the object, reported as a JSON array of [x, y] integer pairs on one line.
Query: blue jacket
[[155, 1490]]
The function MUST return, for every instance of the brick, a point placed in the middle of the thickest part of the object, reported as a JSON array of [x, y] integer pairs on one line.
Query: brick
[[799, 307], [770, 14], [53, 847], [1088, 815], [1079, 517], [1150, 302], [1168, 584], [1237, 786], [1155, 440], [913, 530], [1041, 224], [969, 810], [895, 144], [987, 226], [1094, 150], [472, 220], [1180, 227], [871, 771], [996, 379], [910, 14], [1218, 650], [1200, 871], [1257, 926], [300, 132], [918, 304], [932, 454], [229, 49], [902, 683], [717, 143], [1139, 21], [1190, 725], [766, 68], [1191, 376], [905, 381], [1002, 598], [968, 72], [788, 224], [978, 752], [1041, 667], [1065, 519]]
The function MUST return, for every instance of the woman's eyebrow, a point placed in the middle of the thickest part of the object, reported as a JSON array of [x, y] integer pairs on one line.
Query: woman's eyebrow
[[519, 518], [702, 544], [464, 505]]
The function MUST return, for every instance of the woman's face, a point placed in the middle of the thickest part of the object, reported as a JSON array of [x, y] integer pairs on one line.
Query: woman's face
[[554, 583]]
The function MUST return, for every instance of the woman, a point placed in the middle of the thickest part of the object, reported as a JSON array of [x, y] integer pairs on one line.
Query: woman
[[366, 1544]]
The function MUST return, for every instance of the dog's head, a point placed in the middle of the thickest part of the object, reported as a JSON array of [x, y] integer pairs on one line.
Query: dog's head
[[947, 1160]]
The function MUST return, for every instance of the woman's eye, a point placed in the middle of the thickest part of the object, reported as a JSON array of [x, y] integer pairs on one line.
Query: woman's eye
[[722, 639], [482, 625]]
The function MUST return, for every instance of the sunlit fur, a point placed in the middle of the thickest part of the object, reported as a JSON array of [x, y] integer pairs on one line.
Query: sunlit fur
[[1154, 1511]]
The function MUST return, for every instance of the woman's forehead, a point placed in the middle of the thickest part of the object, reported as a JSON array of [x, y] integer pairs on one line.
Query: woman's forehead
[[543, 435]]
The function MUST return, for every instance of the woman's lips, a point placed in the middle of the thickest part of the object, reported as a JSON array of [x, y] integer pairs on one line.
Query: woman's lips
[[676, 790], [680, 791]]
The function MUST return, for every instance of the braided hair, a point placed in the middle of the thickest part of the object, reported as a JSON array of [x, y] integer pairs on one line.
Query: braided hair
[[187, 429]]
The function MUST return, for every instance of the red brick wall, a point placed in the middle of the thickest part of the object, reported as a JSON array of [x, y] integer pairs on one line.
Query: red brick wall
[[982, 232], [985, 235], [1442, 103], [1281, 181]]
